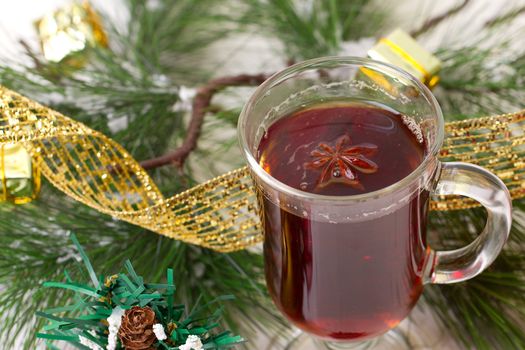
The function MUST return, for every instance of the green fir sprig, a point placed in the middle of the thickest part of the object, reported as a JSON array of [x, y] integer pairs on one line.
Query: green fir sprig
[[35, 248], [94, 302]]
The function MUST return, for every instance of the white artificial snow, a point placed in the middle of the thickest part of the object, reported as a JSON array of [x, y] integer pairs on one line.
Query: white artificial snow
[[114, 321], [192, 343], [158, 329]]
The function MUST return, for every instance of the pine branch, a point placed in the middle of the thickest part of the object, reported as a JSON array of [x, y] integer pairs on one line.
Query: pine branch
[[473, 84], [314, 28], [200, 107], [506, 18], [487, 311], [137, 81], [434, 21], [476, 80], [35, 249]]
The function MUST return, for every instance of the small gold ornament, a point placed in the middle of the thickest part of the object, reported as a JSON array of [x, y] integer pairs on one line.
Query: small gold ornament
[[401, 50], [20, 177], [68, 32]]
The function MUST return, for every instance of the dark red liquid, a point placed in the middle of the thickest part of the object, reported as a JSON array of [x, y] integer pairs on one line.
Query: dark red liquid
[[343, 280]]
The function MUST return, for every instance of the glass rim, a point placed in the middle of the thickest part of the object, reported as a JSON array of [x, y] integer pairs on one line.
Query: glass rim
[[342, 60]]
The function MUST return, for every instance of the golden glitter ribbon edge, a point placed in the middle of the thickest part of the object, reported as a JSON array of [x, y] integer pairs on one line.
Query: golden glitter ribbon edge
[[221, 213]]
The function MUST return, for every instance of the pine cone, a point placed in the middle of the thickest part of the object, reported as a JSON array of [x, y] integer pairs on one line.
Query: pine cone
[[136, 329]]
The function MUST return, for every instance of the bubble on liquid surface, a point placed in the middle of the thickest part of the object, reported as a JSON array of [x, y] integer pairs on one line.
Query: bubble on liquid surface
[[303, 186], [414, 127]]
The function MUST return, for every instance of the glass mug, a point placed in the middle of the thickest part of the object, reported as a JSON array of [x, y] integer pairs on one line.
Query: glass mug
[[350, 268]]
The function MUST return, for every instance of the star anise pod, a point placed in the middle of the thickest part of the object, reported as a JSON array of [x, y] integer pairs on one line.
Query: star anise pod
[[340, 163]]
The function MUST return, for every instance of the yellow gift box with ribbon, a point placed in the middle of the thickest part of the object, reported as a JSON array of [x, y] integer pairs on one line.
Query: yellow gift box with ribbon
[[401, 50]]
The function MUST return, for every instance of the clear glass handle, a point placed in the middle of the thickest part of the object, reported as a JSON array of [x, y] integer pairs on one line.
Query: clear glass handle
[[481, 185]]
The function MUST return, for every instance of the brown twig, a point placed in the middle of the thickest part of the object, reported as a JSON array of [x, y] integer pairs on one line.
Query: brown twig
[[434, 21], [508, 16], [200, 106], [29, 52], [40, 64]]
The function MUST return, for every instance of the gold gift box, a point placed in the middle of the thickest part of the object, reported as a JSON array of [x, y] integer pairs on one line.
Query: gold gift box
[[20, 178], [401, 50], [69, 31]]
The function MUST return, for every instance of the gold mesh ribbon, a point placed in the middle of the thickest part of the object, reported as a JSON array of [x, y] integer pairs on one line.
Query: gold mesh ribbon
[[496, 143], [221, 213]]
